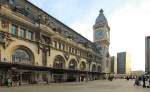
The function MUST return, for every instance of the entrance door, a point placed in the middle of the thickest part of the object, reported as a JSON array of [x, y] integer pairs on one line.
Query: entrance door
[[58, 78], [21, 78], [26, 77], [71, 77]]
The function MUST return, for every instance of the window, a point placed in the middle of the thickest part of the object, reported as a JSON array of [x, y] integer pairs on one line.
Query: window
[[80, 53], [63, 46], [5, 24], [70, 49], [21, 56], [72, 64], [55, 44], [76, 51], [83, 66], [22, 32], [59, 45], [12, 2], [30, 35], [14, 29], [66, 48], [59, 62]]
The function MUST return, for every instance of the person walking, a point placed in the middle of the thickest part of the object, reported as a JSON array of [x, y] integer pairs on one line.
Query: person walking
[[149, 80], [143, 79], [9, 83]]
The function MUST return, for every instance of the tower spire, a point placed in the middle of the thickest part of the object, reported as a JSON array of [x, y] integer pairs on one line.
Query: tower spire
[[101, 11], [101, 19]]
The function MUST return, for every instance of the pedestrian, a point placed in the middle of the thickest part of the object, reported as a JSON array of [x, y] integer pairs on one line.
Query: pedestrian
[[0, 80], [149, 81], [9, 83], [144, 84], [127, 78], [137, 82]]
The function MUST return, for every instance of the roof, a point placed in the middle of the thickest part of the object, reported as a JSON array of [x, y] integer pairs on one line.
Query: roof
[[60, 22]]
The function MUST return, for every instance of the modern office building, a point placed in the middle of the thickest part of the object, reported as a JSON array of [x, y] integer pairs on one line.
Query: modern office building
[[147, 54], [113, 68], [36, 47], [123, 63]]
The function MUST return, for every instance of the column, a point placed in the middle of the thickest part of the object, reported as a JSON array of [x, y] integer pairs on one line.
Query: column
[[40, 79]]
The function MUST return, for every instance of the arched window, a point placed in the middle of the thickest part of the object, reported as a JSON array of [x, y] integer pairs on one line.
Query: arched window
[[83, 66], [94, 68], [99, 68], [107, 63], [21, 56], [59, 62], [72, 64]]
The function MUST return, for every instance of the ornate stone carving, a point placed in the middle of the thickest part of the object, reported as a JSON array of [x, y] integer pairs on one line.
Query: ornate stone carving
[[78, 58], [2, 38], [66, 55], [5, 40]]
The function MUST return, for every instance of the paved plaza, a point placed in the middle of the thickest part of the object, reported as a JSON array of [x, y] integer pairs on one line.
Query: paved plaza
[[90, 86]]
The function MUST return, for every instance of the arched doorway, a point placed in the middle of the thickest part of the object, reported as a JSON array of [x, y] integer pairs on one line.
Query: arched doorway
[[73, 64], [59, 62], [83, 68], [71, 76], [58, 65], [99, 68], [93, 70], [24, 56]]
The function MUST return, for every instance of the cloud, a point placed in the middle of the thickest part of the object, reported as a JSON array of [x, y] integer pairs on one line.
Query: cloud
[[129, 25], [84, 29], [128, 19]]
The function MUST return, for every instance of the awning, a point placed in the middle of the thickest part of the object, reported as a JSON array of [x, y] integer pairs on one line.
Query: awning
[[11, 66]]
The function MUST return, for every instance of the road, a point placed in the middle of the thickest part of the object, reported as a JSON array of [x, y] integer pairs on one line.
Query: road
[[90, 86]]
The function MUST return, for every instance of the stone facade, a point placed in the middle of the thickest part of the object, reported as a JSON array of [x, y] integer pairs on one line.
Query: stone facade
[[37, 48]]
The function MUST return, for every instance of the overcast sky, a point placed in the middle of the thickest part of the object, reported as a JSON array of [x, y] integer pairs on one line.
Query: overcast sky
[[129, 21]]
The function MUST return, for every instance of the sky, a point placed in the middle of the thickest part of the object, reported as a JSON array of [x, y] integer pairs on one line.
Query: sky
[[128, 20]]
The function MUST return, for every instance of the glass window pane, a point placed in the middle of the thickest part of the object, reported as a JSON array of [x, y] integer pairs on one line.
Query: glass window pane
[[22, 32], [30, 35], [14, 30]]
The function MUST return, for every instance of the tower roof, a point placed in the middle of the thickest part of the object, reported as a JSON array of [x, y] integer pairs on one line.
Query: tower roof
[[101, 19]]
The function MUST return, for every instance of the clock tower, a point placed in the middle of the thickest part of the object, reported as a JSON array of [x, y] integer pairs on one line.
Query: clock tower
[[102, 40]]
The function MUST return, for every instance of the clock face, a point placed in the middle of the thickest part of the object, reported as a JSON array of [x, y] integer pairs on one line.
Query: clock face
[[12, 2], [99, 35]]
